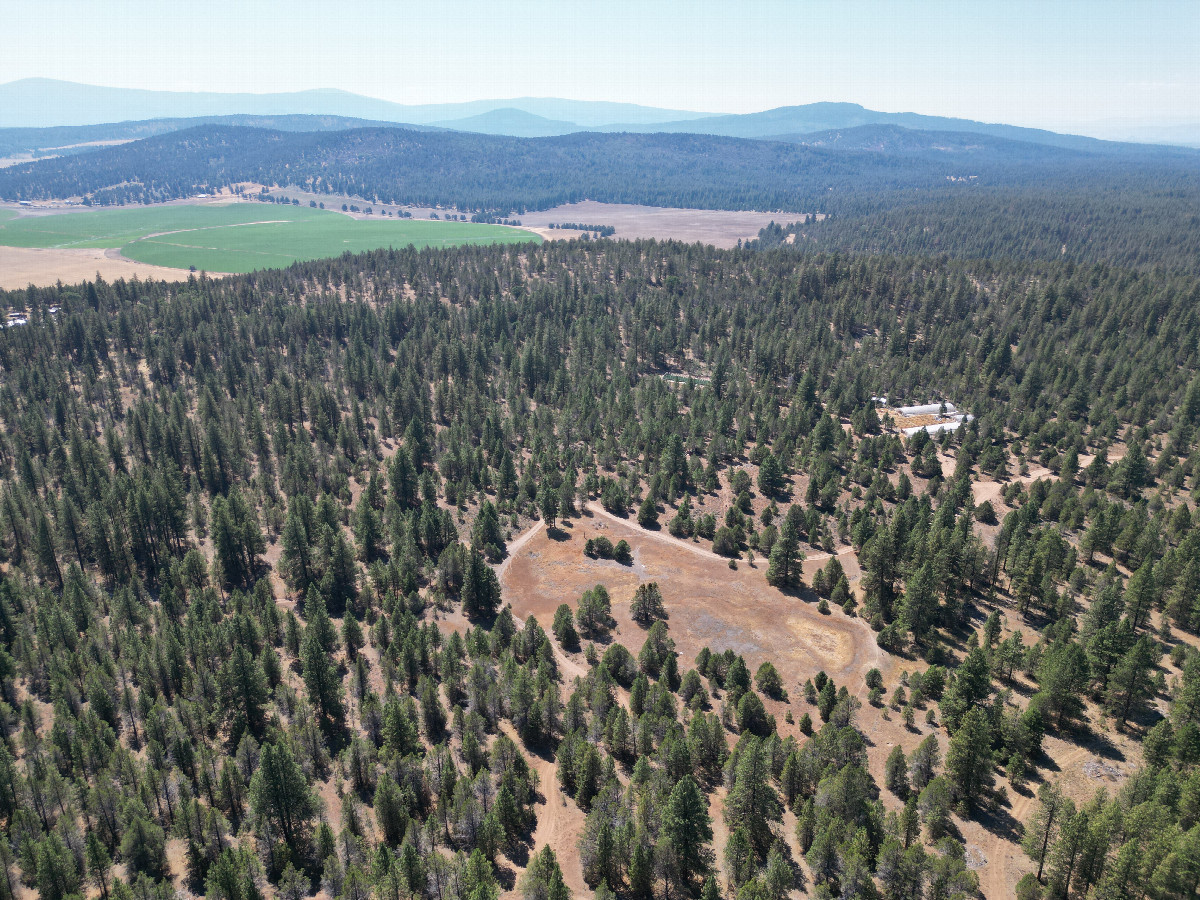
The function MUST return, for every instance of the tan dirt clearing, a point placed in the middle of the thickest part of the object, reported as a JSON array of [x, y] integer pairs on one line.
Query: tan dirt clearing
[[709, 604]]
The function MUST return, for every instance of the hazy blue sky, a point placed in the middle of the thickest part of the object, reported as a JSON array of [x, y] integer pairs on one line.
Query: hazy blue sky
[[1041, 63]]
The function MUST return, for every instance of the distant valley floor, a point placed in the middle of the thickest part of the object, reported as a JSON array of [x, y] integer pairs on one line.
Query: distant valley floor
[[40, 266], [719, 227]]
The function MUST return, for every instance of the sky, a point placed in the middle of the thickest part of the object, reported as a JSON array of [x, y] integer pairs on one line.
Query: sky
[[1051, 63]]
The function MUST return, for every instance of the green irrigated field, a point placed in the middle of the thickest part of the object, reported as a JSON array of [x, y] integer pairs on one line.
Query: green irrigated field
[[239, 237]]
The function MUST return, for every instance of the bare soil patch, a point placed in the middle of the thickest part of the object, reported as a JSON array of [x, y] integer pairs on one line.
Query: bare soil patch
[[721, 228], [903, 422]]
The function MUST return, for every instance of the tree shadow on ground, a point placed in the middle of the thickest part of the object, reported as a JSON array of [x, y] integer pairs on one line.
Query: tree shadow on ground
[[506, 876], [997, 820]]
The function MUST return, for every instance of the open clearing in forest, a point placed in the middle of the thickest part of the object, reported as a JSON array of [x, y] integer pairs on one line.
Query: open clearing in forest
[[233, 237], [709, 604]]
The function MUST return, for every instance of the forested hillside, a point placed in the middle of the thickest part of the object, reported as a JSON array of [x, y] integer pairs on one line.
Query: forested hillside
[[1122, 224], [70, 139], [887, 189], [471, 172], [253, 641]]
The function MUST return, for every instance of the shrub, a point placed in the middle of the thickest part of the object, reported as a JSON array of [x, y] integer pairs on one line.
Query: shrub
[[564, 629], [985, 513], [599, 548], [768, 681]]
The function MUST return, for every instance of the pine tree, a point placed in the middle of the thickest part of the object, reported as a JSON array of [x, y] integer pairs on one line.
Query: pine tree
[[647, 515], [770, 476], [1141, 594], [486, 533], [244, 695], [543, 879], [783, 568], [481, 588], [923, 763], [99, 863], [548, 505], [296, 557], [368, 532], [279, 796], [687, 829], [1130, 682], [323, 684], [317, 621], [144, 847], [969, 757], [390, 812], [752, 803], [896, 772], [402, 480], [340, 582], [647, 605], [919, 605], [46, 552], [1042, 830]]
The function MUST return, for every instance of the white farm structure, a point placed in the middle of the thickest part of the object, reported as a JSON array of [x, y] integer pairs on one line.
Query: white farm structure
[[947, 414]]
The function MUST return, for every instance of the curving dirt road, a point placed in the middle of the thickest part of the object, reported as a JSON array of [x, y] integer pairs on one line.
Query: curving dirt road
[[1002, 854]]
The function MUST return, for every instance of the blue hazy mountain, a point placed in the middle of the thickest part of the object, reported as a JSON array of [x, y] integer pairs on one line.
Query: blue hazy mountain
[[43, 102], [513, 123]]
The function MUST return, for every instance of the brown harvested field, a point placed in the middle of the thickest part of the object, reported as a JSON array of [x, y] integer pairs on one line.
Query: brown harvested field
[[721, 228], [23, 266]]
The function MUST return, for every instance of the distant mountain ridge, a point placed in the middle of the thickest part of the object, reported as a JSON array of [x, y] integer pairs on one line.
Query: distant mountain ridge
[[45, 102], [40, 102], [62, 140], [512, 122]]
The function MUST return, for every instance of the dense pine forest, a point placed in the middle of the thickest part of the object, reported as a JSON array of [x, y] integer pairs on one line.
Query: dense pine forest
[[887, 189], [253, 642]]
